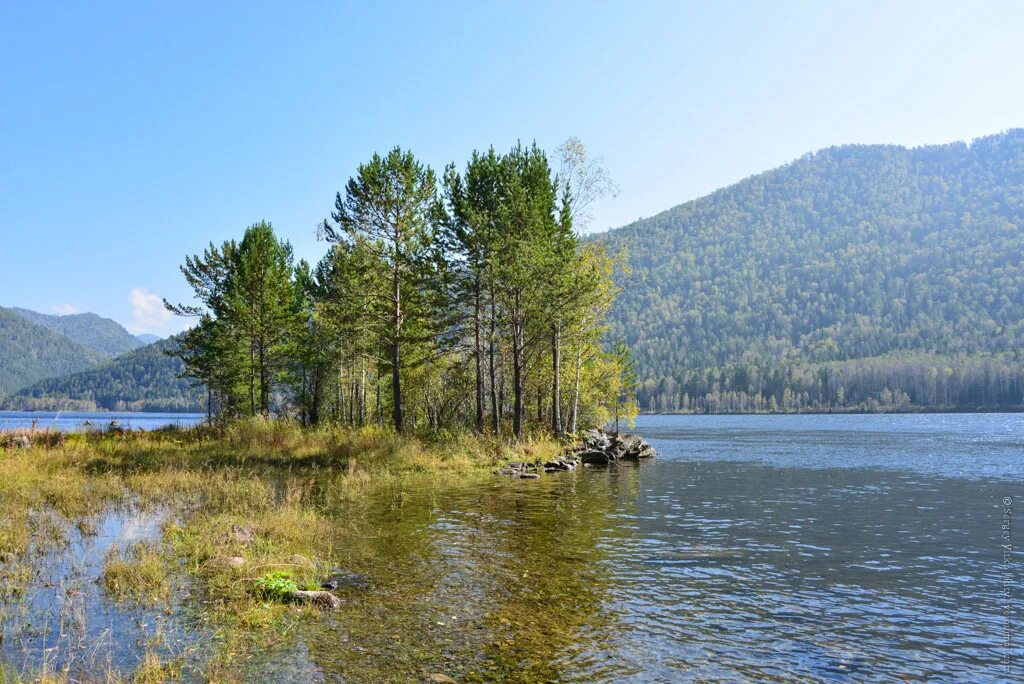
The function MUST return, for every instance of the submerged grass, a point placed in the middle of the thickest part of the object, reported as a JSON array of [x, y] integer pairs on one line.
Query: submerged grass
[[139, 572], [250, 507]]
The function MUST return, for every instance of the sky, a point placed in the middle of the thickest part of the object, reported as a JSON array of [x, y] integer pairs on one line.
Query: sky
[[133, 134]]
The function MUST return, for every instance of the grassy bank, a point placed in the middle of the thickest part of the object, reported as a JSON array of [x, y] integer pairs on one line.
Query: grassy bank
[[250, 513]]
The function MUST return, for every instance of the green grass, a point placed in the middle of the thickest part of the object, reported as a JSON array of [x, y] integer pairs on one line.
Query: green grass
[[140, 572], [276, 479]]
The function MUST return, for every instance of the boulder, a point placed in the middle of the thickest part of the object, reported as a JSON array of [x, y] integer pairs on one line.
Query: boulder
[[345, 579], [561, 463], [595, 456], [228, 561], [599, 448], [320, 599], [301, 561]]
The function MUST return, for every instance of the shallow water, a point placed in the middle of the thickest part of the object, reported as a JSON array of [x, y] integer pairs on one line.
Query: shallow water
[[755, 548], [74, 421], [57, 618], [802, 548]]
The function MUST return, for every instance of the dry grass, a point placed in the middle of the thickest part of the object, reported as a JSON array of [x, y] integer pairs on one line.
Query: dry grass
[[139, 572], [275, 479]]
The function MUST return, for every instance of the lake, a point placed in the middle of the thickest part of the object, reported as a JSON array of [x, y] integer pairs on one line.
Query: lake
[[819, 548], [73, 421], [754, 548]]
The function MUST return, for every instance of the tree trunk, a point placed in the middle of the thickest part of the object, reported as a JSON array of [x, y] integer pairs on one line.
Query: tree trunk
[[556, 388], [517, 371], [380, 417], [576, 387], [264, 381], [362, 392], [478, 357], [396, 356], [492, 362], [252, 378]]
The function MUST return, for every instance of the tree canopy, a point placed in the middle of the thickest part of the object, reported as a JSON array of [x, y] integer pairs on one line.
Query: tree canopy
[[845, 262]]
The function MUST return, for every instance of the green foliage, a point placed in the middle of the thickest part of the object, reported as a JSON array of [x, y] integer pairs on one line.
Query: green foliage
[[393, 324], [390, 210], [102, 335], [146, 379], [846, 255], [249, 313], [276, 586], [31, 352]]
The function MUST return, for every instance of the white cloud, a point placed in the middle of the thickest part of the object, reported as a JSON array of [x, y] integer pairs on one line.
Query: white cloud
[[65, 309], [148, 312]]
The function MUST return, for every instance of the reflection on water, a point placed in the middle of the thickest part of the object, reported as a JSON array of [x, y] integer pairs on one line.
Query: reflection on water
[[690, 568], [55, 617], [796, 549]]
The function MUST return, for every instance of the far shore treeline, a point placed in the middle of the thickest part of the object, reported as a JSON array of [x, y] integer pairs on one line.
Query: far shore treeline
[[465, 301]]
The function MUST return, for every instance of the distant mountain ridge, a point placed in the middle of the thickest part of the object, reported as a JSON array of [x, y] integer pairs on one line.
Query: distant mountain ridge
[[100, 334], [31, 352], [145, 379], [772, 293], [86, 362]]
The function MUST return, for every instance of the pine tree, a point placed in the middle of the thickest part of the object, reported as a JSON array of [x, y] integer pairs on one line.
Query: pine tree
[[392, 202]]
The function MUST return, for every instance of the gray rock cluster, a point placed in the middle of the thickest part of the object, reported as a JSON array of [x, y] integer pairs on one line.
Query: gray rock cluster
[[600, 448], [522, 470]]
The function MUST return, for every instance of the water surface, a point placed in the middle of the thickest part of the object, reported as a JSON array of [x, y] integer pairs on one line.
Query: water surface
[[789, 548], [754, 548], [73, 421]]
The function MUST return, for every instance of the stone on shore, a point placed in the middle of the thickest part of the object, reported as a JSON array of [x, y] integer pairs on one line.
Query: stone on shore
[[600, 448], [320, 599]]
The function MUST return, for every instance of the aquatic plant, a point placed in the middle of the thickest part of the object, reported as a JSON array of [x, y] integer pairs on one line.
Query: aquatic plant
[[276, 586]]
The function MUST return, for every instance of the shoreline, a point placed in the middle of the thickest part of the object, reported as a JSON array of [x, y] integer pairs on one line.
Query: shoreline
[[251, 518], [852, 412]]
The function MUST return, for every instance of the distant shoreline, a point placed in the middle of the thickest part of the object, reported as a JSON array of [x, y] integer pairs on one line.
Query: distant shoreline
[[841, 412]]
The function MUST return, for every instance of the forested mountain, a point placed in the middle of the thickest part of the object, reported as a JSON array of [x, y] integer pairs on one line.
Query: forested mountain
[[145, 379], [95, 332], [30, 352], [147, 338], [854, 278]]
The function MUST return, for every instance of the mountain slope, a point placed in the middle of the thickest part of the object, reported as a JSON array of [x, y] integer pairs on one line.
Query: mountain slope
[[850, 253], [99, 334], [141, 380], [30, 352]]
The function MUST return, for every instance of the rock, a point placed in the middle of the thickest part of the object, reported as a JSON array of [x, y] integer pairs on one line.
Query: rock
[[321, 599], [529, 476], [299, 559], [601, 449], [342, 579], [228, 561], [439, 678], [647, 452], [560, 464], [243, 534], [592, 456], [22, 442]]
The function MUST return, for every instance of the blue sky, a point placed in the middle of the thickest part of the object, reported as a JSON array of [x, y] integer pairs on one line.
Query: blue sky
[[132, 134]]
